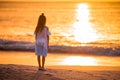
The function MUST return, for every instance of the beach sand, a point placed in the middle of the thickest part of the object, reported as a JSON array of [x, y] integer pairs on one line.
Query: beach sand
[[25, 72]]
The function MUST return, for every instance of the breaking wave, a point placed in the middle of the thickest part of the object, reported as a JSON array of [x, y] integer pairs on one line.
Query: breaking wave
[[90, 50]]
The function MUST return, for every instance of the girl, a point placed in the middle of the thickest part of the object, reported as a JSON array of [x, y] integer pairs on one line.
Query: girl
[[42, 41]]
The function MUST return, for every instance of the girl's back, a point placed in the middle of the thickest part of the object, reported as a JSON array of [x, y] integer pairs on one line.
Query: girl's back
[[42, 36]]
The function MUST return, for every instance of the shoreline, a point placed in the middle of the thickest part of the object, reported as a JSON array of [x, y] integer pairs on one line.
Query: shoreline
[[87, 68]]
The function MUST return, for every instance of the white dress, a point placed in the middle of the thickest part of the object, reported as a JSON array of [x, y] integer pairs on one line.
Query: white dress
[[41, 42]]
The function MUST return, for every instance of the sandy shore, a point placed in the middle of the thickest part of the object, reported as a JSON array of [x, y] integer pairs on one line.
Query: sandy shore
[[22, 72]]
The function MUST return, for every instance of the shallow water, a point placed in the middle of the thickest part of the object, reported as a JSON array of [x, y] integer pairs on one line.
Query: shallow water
[[53, 59]]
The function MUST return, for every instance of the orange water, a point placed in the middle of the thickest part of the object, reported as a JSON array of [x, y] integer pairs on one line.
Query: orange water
[[29, 58], [70, 23]]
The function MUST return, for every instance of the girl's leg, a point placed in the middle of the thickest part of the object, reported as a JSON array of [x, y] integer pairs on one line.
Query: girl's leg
[[39, 62], [43, 61]]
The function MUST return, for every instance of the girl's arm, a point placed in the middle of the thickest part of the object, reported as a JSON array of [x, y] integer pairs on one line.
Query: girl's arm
[[48, 33], [35, 35], [47, 41]]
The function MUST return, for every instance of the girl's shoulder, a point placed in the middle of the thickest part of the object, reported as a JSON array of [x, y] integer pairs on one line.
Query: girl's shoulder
[[46, 27], [47, 30]]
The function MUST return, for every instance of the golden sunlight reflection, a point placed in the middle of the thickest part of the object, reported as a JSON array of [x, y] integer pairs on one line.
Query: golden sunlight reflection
[[80, 61], [83, 30]]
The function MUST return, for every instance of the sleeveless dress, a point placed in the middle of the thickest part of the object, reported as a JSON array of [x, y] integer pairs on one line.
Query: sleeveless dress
[[41, 42]]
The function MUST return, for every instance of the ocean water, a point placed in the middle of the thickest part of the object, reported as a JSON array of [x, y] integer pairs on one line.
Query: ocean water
[[81, 27]]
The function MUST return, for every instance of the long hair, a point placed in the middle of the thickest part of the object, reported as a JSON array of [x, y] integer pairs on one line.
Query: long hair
[[41, 23]]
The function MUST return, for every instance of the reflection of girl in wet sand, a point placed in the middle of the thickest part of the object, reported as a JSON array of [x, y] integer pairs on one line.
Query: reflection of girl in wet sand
[[42, 41]]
